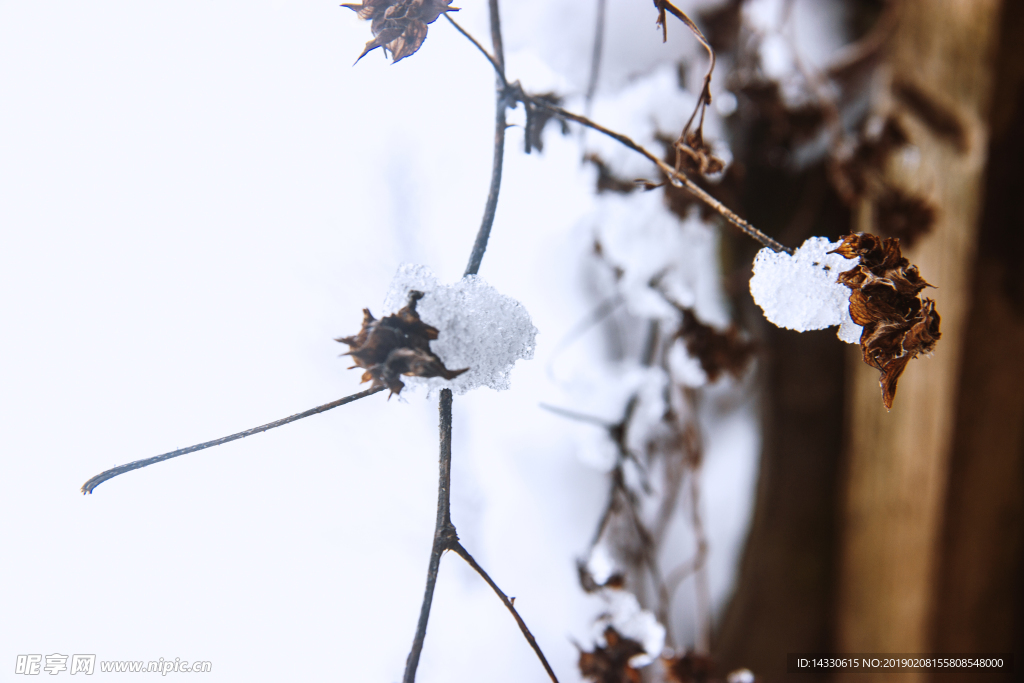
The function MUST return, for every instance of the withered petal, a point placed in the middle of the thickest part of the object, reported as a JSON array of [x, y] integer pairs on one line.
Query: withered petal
[[400, 26], [364, 11], [409, 41], [610, 664], [891, 372]]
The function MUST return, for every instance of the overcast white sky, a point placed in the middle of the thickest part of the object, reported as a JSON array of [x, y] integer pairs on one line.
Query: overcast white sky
[[195, 198]]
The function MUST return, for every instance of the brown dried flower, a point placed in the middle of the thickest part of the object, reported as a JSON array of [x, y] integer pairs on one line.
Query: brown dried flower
[[607, 181], [537, 118], [591, 585], [396, 345], [885, 300], [399, 26], [695, 155], [689, 668], [717, 351], [610, 664]]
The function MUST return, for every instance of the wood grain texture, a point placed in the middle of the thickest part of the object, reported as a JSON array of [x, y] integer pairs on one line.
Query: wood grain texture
[[980, 599], [897, 463]]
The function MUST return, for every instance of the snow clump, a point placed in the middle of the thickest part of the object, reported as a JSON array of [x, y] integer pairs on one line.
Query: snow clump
[[800, 292], [478, 328], [627, 617]]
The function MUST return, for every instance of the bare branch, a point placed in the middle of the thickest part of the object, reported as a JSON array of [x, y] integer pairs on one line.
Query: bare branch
[[603, 310], [497, 69], [701, 569], [677, 178], [464, 554], [595, 57], [444, 532], [480, 245], [515, 92], [579, 417], [445, 536], [90, 485], [705, 91]]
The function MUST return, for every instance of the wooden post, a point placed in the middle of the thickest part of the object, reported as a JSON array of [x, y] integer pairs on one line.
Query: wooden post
[[939, 83]]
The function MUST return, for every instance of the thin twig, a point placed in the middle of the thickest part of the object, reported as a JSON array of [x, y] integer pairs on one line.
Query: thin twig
[[464, 554], [677, 178], [445, 536], [703, 589], [579, 417], [497, 69], [705, 91], [444, 532], [498, 62], [90, 485], [602, 311], [595, 57], [868, 46], [684, 570]]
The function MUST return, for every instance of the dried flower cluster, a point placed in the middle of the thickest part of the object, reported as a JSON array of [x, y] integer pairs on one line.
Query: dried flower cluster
[[396, 345], [693, 667], [399, 26], [885, 300], [694, 155], [610, 664], [718, 352], [690, 667]]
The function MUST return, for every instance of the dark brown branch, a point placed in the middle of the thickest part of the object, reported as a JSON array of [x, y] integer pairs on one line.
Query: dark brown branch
[[444, 532], [480, 245], [677, 178], [90, 485], [464, 554], [445, 536]]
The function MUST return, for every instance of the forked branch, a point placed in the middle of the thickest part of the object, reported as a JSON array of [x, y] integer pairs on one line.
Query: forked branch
[[464, 554], [445, 535]]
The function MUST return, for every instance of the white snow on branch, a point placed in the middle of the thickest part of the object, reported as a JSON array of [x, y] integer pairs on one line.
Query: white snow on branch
[[478, 328], [627, 617], [800, 292]]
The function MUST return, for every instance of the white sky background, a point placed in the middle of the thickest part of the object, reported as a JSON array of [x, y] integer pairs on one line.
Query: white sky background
[[195, 198]]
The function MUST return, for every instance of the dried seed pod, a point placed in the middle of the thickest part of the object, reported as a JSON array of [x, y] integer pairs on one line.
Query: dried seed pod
[[399, 26], [885, 299], [396, 345], [690, 667], [610, 664]]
